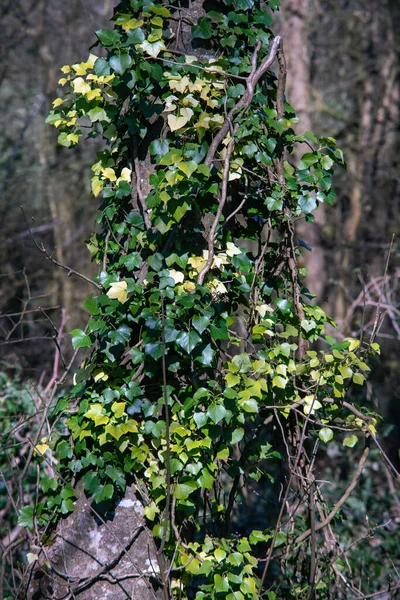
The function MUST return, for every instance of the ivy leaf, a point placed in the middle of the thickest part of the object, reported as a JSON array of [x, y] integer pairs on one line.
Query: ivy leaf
[[150, 511], [80, 339], [249, 405], [102, 67], [188, 167], [200, 419], [308, 159], [350, 441], [132, 261], [279, 382], [134, 37], [25, 518], [159, 147], [104, 492], [176, 123], [237, 435], [91, 305], [154, 350], [200, 323], [156, 261], [234, 91], [118, 291], [207, 356], [242, 363], [216, 412], [221, 584], [308, 325], [203, 29], [326, 163], [108, 37], [91, 482], [120, 63], [206, 479], [170, 334], [153, 49], [307, 204], [325, 434], [183, 490], [98, 114], [232, 380], [358, 378], [188, 341], [284, 305]]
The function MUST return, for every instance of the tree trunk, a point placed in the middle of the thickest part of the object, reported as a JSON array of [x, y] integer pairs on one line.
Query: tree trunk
[[296, 44], [95, 559]]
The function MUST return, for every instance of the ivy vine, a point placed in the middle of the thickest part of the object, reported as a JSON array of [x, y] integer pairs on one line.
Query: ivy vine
[[200, 339]]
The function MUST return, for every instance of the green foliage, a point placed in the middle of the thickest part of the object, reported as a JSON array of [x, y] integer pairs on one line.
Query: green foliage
[[182, 265]]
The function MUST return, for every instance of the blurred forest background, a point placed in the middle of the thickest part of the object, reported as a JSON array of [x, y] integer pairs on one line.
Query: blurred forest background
[[343, 62]]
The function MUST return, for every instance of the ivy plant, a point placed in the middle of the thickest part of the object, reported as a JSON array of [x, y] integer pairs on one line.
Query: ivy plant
[[207, 368]]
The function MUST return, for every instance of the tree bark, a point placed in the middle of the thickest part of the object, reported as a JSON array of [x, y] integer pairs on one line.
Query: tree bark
[[296, 44], [93, 559]]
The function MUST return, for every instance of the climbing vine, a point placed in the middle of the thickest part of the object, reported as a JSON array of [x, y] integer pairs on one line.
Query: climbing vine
[[199, 374]]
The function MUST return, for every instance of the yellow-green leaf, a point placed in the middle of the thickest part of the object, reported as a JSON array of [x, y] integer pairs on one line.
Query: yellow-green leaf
[[100, 375], [219, 554], [345, 371], [188, 167], [109, 173], [95, 413], [232, 380], [353, 343], [279, 382], [350, 441], [118, 409], [118, 291], [153, 49], [176, 123], [97, 186], [80, 86], [358, 378], [311, 404]]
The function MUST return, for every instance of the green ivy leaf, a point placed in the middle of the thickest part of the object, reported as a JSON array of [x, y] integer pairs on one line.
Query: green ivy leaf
[[108, 37], [25, 518], [200, 323], [237, 435], [102, 67], [131, 261], [308, 159], [232, 380], [135, 37], [221, 584], [156, 261], [80, 339], [184, 489], [326, 162], [203, 29], [120, 63], [216, 412], [284, 305], [200, 419], [188, 341], [207, 356]]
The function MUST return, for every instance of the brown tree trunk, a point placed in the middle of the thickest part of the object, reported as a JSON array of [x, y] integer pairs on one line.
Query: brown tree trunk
[[297, 51], [93, 559]]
